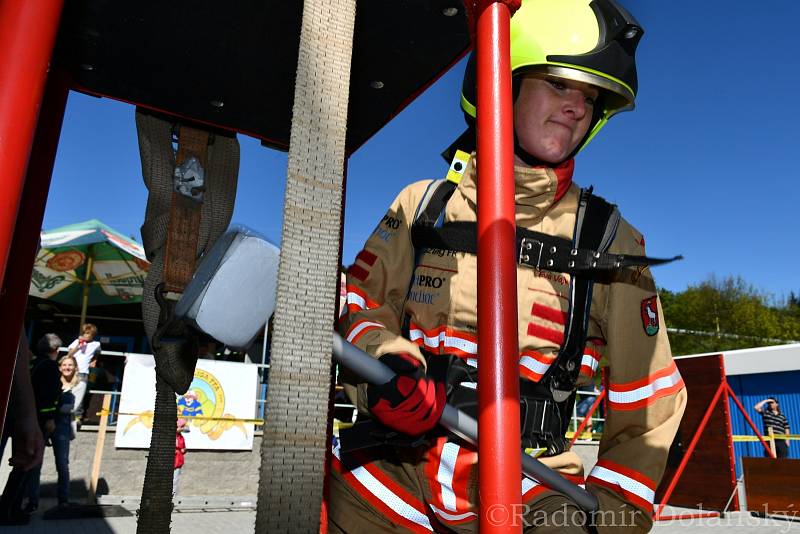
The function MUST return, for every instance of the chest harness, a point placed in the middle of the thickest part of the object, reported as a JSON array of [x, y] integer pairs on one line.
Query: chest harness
[[545, 406]]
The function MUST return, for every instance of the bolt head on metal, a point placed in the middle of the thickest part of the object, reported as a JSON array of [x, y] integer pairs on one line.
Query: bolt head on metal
[[217, 104], [376, 84], [596, 254], [573, 252], [549, 263], [528, 246], [552, 250], [594, 264], [570, 365], [571, 264], [450, 11], [526, 257]]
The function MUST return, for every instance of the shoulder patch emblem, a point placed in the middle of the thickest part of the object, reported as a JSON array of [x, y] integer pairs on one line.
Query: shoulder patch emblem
[[650, 316]]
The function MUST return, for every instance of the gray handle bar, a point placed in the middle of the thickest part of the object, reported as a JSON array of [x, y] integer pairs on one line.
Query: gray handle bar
[[461, 424]]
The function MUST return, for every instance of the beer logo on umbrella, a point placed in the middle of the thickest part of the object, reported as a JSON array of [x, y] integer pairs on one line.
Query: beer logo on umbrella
[[66, 261]]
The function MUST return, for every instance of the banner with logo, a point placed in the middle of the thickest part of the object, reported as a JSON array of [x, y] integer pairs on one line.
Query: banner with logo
[[219, 407]]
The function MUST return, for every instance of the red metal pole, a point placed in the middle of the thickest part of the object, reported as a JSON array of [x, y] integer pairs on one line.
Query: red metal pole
[[498, 371], [729, 432], [690, 450], [588, 416], [14, 293], [27, 34], [747, 418]]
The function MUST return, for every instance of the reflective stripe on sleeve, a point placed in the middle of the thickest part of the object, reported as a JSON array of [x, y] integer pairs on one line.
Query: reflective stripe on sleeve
[[631, 485], [357, 300], [444, 339], [641, 393], [360, 328], [532, 487], [453, 518], [374, 486], [533, 365], [589, 363]]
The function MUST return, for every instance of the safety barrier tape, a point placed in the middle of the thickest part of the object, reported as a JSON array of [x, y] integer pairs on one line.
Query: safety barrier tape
[[787, 437]]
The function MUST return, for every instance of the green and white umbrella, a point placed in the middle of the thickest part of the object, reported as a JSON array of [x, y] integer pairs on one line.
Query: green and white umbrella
[[88, 264]]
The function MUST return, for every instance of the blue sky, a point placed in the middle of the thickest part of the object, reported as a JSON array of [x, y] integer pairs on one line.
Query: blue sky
[[705, 166]]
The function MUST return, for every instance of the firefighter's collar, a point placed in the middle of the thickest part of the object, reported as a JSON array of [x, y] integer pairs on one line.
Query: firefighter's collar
[[536, 188]]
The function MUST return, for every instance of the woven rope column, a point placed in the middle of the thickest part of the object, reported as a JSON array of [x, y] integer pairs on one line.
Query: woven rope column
[[294, 444]]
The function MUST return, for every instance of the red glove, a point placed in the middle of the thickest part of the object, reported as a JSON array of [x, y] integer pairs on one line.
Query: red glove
[[410, 403], [475, 7]]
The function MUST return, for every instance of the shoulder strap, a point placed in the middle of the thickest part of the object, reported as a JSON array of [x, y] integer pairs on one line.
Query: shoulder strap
[[431, 206], [596, 224]]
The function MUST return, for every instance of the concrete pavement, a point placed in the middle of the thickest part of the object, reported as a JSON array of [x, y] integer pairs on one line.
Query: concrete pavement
[[210, 521]]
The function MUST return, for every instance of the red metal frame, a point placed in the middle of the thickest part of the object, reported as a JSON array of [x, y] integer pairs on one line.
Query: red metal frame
[[674, 482], [688, 516], [27, 35], [731, 455], [22, 252], [588, 416], [723, 390], [498, 372]]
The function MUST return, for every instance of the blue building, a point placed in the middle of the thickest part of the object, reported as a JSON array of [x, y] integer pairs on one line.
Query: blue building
[[755, 374]]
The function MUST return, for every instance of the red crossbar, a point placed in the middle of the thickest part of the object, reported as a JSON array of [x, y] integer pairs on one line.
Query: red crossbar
[[685, 460]]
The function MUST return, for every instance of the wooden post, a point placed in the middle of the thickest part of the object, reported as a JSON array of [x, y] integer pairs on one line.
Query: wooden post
[[772, 442], [98, 450]]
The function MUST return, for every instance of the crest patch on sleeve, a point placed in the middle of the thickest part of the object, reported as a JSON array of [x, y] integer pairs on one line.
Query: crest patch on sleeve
[[649, 311]]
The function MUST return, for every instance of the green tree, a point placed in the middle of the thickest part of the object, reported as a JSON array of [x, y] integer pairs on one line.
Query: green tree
[[728, 314]]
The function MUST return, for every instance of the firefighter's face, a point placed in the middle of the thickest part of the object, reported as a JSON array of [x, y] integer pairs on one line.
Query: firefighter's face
[[552, 116]]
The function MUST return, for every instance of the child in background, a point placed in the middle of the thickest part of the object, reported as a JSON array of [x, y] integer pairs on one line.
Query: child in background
[[180, 451], [85, 350]]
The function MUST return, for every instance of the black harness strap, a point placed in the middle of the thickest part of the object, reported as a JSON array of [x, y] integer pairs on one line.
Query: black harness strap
[[546, 406], [534, 249], [595, 227]]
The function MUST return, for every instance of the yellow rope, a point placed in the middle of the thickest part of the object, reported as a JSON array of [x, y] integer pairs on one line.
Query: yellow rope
[[787, 437], [197, 417]]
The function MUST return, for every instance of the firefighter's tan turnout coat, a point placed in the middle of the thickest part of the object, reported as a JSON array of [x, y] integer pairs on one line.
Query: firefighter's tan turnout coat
[[396, 490]]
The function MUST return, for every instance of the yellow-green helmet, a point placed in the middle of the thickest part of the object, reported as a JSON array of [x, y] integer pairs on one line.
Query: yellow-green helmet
[[591, 41]]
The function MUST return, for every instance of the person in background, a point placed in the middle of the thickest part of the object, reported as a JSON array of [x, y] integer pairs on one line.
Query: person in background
[[63, 434], [180, 452], [85, 350], [774, 419], [27, 442], [46, 381]]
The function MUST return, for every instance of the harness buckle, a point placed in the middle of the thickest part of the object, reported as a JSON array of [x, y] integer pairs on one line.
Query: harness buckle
[[528, 249]]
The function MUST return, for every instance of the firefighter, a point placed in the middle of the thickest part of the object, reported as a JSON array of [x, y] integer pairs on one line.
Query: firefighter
[[412, 300]]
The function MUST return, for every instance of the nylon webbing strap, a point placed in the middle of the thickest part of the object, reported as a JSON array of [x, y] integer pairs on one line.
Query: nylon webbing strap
[[183, 231], [296, 437], [220, 178], [175, 362]]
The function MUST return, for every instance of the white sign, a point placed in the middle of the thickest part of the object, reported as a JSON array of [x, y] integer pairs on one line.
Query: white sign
[[219, 406]]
